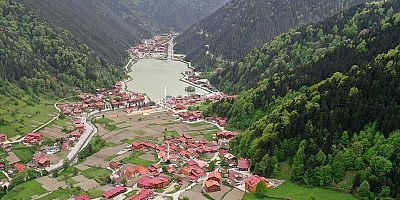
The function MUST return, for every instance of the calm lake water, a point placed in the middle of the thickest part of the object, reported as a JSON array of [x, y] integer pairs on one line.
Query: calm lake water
[[151, 75]]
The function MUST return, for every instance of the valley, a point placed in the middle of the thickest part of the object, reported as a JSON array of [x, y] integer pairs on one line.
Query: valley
[[209, 100], [116, 139]]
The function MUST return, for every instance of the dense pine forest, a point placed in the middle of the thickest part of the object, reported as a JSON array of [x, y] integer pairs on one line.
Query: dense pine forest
[[325, 99], [241, 25], [109, 27], [40, 59], [177, 15]]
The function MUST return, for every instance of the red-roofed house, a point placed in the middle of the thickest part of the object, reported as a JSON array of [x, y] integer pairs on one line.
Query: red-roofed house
[[221, 122], [6, 146], [149, 145], [226, 135], [114, 165], [252, 181], [159, 182], [233, 177], [184, 153], [192, 163], [144, 182], [3, 137], [136, 145], [143, 195], [214, 175], [197, 172], [33, 138], [19, 167], [77, 111], [43, 162], [99, 105], [171, 169], [185, 171], [82, 197], [114, 192], [75, 134], [182, 139], [130, 171], [243, 164], [178, 107], [77, 120], [212, 186], [141, 170], [67, 112], [80, 127]]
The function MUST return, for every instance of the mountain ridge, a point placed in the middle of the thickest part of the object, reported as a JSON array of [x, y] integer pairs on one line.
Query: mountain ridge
[[233, 30]]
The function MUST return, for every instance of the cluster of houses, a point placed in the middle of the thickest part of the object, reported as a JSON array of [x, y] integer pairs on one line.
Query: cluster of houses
[[155, 47], [194, 78], [187, 158], [180, 103], [114, 98], [190, 116], [144, 194]]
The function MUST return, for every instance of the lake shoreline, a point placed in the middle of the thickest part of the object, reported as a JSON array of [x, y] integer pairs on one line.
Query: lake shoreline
[[172, 84]]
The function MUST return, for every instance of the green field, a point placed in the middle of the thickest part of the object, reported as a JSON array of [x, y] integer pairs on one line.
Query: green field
[[94, 193], [61, 194], [171, 134], [140, 139], [131, 193], [200, 107], [19, 118], [103, 121], [71, 99], [25, 191], [169, 122], [198, 124], [110, 157], [2, 176], [23, 152], [139, 132], [109, 124], [292, 191], [101, 175], [62, 122], [3, 156], [135, 159]]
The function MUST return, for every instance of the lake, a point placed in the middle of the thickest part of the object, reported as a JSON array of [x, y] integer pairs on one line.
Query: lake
[[151, 75]]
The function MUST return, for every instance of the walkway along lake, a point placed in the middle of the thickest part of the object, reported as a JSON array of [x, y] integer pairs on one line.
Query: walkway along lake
[[151, 75]]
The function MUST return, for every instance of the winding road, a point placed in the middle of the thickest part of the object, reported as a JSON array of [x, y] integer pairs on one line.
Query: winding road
[[90, 131]]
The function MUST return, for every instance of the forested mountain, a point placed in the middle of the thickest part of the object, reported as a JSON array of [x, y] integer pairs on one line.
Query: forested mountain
[[107, 26], [178, 15], [40, 59], [327, 102], [235, 29]]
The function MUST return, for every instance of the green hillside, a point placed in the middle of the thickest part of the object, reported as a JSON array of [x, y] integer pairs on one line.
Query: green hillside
[[325, 99], [241, 25], [43, 60]]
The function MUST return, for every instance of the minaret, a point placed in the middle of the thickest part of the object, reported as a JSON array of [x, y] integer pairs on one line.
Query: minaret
[[165, 95]]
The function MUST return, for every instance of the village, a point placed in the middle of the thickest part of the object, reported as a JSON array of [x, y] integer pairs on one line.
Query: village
[[156, 152], [156, 47], [118, 144]]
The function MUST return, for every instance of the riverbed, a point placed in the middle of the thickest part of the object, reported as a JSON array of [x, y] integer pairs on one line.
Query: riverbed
[[150, 76]]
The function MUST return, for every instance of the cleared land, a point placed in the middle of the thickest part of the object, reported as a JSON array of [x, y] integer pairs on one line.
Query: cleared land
[[25, 191], [19, 118], [292, 191]]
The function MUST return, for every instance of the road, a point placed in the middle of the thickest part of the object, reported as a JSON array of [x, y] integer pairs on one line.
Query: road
[[90, 131]]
